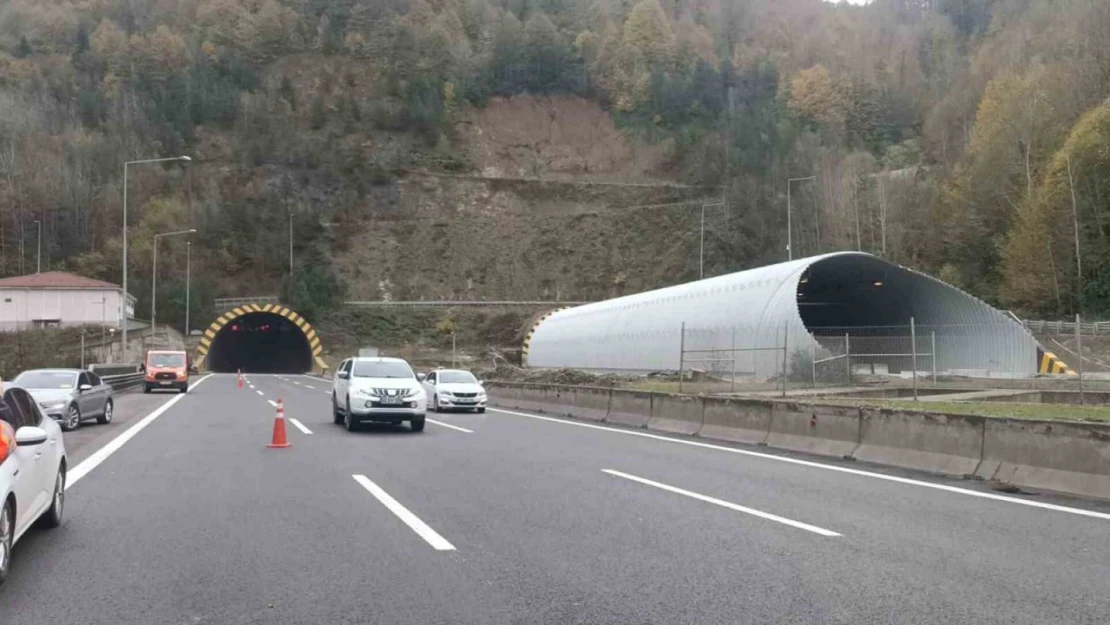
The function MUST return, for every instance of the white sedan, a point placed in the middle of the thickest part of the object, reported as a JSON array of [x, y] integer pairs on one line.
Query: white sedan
[[454, 389], [32, 471]]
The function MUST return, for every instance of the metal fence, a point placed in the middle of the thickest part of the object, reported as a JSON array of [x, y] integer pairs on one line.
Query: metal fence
[[1091, 328], [911, 357]]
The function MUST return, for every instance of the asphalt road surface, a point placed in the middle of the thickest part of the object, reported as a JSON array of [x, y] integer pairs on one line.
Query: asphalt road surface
[[513, 518]]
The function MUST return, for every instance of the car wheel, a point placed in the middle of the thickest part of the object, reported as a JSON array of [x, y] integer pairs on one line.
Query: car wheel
[[73, 419], [106, 418], [481, 411], [435, 403], [349, 419], [146, 387], [7, 532], [53, 516], [336, 415], [184, 388], [417, 424]]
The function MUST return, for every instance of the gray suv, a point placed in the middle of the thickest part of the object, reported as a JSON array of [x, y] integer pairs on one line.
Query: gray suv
[[68, 396]]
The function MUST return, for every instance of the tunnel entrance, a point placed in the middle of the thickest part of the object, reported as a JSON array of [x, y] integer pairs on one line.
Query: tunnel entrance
[[260, 343]]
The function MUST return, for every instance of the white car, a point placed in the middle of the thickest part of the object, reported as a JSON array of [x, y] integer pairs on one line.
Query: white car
[[377, 390], [32, 471], [454, 389]]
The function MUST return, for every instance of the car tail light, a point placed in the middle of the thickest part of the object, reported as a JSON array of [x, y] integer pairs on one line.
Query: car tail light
[[7, 440]]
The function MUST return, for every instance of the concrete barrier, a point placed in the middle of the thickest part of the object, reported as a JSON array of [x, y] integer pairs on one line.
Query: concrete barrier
[[824, 430], [1064, 457], [629, 408], [520, 397], [737, 420], [946, 444], [558, 400], [591, 403], [677, 414]]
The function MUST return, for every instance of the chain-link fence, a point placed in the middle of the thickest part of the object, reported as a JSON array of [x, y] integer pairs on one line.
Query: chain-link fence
[[922, 359]]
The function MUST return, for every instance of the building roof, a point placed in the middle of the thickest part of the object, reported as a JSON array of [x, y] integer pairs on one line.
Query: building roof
[[54, 280]]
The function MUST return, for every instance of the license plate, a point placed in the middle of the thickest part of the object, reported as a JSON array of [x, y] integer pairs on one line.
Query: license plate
[[165, 382], [391, 401], [465, 401]]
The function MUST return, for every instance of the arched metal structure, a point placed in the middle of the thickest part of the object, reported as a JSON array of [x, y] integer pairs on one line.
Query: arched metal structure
[[839, 294], [220, 325]]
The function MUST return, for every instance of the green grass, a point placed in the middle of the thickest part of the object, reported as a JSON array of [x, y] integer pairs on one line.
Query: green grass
[[999, 410]]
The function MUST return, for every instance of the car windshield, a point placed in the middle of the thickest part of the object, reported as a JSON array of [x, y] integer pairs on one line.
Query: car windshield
[[46, 379], [167, 360], [386, 369], [456, 377]]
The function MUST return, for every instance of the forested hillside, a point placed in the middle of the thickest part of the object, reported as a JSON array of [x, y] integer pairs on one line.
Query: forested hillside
[[557, 148]]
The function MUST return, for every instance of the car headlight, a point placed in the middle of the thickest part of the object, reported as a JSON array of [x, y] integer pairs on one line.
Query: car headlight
[[366, 392], [447, 394], [414, 392], [53, 405]]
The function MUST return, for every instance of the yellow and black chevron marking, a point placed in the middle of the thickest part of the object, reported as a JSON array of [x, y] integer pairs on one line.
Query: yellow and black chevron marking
[[246, 309], [1049, 363], [532, 330]]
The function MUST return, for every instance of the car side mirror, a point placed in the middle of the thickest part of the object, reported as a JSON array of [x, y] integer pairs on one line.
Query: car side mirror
[[481, 382], [29, 436], [192, 369], [85, 387], [421, 376], [343, 375]]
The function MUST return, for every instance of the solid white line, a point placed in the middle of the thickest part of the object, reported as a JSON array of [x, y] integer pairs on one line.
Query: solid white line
[[448, 425], [272, 403], [421, 528], [300, 426], [102, 454], [260, 392], [827, 467], [726, 504]]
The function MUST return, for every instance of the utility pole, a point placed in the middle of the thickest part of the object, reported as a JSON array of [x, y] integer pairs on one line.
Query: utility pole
[[290, 244], [701, 247], [22, 238], [789, 217]]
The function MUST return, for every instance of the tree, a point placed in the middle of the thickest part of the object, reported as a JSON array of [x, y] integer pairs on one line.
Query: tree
[[815, 95], [24, 49]]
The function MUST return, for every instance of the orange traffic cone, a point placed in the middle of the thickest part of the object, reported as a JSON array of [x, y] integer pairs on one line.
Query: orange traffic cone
[[239, 376], [278, 441]]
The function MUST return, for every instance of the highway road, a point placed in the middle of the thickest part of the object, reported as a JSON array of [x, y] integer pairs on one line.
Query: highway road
[[514, 518]]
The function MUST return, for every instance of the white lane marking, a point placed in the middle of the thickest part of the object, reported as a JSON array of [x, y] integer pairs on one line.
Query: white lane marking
[[310, 386], [827, 467], [727, 504], [296, 382], [439, 543], [102, 454], [272, 403], [448, 425], [260, 392], [300, 426]]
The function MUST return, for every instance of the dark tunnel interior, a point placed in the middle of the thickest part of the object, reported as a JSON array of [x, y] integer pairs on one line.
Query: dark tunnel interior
[[260, 343], [850, 292]]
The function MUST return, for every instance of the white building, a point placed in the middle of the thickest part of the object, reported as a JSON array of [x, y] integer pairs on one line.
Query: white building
[[56, 298]]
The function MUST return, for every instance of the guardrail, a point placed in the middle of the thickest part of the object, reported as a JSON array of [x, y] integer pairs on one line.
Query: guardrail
[[123, 381], [227, 303], [1067, 327]]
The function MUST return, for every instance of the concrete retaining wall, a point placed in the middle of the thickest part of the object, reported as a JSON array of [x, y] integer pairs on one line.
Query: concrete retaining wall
[[1065, 457]]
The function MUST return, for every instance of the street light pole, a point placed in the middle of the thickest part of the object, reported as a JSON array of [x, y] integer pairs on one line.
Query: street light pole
[[188, 273], [123, 297], [38, 257], [154, 277], [789, 219]]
